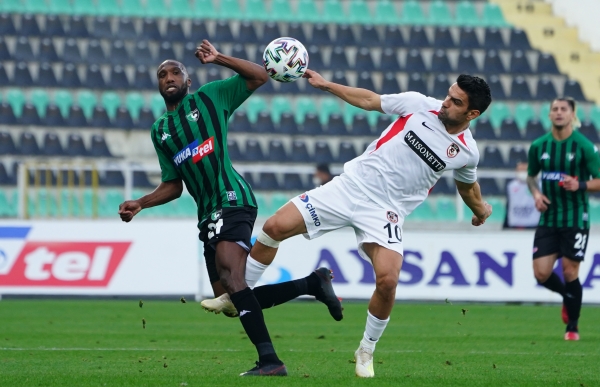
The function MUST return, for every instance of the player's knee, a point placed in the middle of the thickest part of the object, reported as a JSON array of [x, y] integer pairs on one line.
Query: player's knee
[[541, 275], [275, 228], [570, 273], [386, 285]]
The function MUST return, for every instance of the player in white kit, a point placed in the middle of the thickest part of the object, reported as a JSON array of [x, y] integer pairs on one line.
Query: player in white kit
[[379, 188]]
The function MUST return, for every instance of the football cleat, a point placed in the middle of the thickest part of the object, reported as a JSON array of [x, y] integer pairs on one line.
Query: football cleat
[[364, 362], [266, 370], [572, 336], [220, 304], [564, 314], [326, 294]]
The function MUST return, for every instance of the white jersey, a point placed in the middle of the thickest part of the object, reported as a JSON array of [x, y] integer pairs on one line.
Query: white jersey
[[405, 162]]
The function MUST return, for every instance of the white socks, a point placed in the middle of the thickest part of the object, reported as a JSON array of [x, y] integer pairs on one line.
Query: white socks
[[373, 331], [254, 270]]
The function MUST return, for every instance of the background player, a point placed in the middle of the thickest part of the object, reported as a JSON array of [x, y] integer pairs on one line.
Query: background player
[[566, 159], [385, 184], [190, 140]]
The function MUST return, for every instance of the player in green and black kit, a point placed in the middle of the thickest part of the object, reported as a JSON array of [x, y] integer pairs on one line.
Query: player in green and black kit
[[566, 160]]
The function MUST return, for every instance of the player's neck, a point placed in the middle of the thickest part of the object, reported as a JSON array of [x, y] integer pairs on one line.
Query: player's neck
[[563, 133], [456, 129]]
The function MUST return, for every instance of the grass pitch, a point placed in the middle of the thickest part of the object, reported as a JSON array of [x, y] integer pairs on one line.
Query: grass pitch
[[103, 343]]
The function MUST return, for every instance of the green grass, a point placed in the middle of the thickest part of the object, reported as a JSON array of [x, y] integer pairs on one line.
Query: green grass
[[102, 343]]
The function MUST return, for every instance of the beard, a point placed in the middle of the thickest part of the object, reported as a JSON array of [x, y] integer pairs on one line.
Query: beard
[[174, 98], [447, 120]]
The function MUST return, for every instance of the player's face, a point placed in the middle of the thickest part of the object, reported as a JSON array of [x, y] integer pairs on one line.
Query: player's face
[[561, 114], [455, 108], [173, 82]]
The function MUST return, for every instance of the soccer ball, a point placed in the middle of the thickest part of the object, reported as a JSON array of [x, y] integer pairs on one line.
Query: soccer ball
[[285, 59]]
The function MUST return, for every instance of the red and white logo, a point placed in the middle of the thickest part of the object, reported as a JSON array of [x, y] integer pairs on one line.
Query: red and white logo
[[206, 148], [392, 217], [452, 150], [66, 264]]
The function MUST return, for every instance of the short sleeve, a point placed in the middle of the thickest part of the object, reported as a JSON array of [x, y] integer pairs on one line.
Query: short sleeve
[[168, 171], [533, 165], [468, 173], [592, 160], [230, 93], [407, 103]]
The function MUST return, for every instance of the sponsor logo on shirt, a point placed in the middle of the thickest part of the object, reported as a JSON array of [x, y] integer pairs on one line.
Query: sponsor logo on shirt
[[452, 150], [193, 116], [392, 217], [195, 151], [554, 176], [311, 209], [304, 197], [424, 152], [231, 195]]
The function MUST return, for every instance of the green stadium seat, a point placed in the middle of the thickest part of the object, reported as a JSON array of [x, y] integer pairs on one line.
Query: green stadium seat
[[498, 112], [445, 208], [328, 106], [155, 8], [132, 8], [5, 205], [16, 99], [373, 117], [466, 14], [111, 102], [60, 7], [359, 13], [333, 12], [134, 102], [157, 104], [264, 207], [87, 101], [255, 105], [523, 113], [544, 115], [439, 14], [186, 206], [39, 98], [595, 116], [108, 8], [69, 204], [11, 6], [35, 6], [280, 105], [230, 9], [350, 111], [44, 204], [84, 7], [385, 13], [63, 99], [304, 105], [594, 211], [423, 212], [180, 9], [307, 11], [492, 16], [255, 10], [110, 205], [204, 9], [279, 200], [281, 10], [412, 13], [581, 113], [498, 209], [91, 204]]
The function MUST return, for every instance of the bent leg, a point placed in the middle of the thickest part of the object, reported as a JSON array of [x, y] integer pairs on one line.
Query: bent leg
[[573, 292], [542, 270]]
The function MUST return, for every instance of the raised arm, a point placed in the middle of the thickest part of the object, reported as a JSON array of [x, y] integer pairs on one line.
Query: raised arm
[[471, 195], [362, 98], [255, 75]]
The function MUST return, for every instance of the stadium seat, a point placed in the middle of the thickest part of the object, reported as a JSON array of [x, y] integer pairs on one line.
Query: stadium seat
[[47, 52], [496, 88], [299, 152], [223, 32], [287, 124], [365, 81], [118, 78], [369, 37], [359, 13], [276, 152], [445, 208], [492, 63], [544, 115], [253, 151], [291, 182], [95, 53], [30, 115], [256, 10], [76, 117], [118, 53], [271, 32], [267, 182], [327, 107], [590, 131], [110, 205], [316, 60], [484, 129], [123, 119], [322, 153], [306, 11], [423, 212], [180, 9], [442, 38], [489, 187], [63, 99], [102, 27], [46, 77], [336, 125], [385, 13], [545, 89], [441, 84], [414, 61], [70, 77], [22, 76], [360, 125], [519, 89], [492, 158], [87, 101], [16, 99], [3, 77], [28, 145], [100, 118], [71, 53], [234, 150], [338, 60], [573, 89], [493, 39], [412, 13], [146, 119], [296, 31], [247, 34], [418, 37], [303, 106], [320, 35], [364, 61], [466, 63], [54, 26], [417, 83], [346, 152], [111, 102], [7, 145], [52, 146], [143, 80], [229, 9], [534, 130], [140, 179], [263, 124], [23, 51], [509, 131], [75, 146], [7, 26], [134, 102], [280, 10], [439, 14], [392, 37], [498, 112], [239, 51], [389, 60], [4, 52], [29, 26], [4, 180], [7, 115], [516, 154], [594, 115], [468, 38], [466, 14], [150, 29], [332, 12], [311, 125], [98, 147], [442, 188], [174, 31], [84, 7], [492, 16], [523, 113], [204, 9], [77, 27], [519, 63], [40, 99], [440, 62], [519, 40], [126, 29], [53, 116], [546, 64]]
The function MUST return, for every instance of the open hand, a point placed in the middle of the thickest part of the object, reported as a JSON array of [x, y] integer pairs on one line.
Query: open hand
[[206, 52], [128, 209]]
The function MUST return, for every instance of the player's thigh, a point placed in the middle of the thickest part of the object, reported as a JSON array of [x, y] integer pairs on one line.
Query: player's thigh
[[543, 266], [573, 243], [546, 248], [386, 263], [285, 223]]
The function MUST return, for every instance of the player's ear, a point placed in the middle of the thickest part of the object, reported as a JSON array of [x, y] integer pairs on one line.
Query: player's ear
[[472, 114]]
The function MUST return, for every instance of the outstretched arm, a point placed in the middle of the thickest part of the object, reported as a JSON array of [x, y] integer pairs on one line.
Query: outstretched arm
[[165, 192], [255, 75], [471, 195], [362, 98]]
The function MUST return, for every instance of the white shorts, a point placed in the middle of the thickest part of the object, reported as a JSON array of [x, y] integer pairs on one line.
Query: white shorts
[[340, 203]]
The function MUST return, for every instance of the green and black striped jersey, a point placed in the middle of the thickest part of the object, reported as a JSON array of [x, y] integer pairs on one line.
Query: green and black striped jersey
[[191, 144], [574, 156]]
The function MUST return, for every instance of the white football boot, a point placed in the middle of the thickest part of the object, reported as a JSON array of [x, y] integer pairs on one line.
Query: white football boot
[[364, 362], [220, 304]]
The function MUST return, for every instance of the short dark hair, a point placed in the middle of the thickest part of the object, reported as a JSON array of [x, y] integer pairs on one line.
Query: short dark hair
[[569, 100], [478, 91], [323, 168]]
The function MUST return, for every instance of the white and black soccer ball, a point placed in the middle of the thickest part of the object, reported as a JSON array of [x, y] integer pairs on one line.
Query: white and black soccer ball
[[285, 59]]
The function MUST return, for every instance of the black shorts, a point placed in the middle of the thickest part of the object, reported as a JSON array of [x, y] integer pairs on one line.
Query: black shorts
[[568, 242], [234, 224]]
